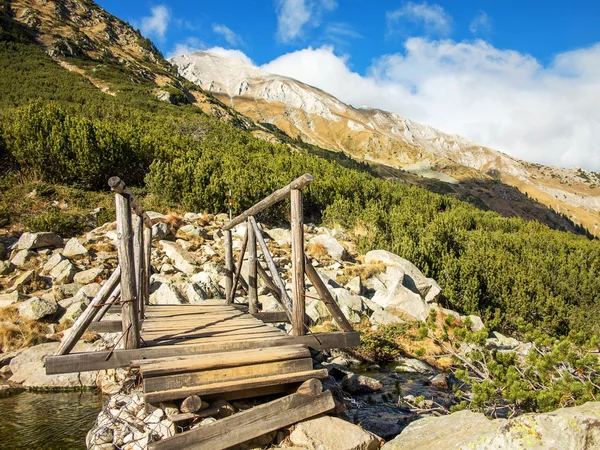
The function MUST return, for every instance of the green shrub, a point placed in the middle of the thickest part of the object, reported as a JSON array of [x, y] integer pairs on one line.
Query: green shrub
[[60, 222]]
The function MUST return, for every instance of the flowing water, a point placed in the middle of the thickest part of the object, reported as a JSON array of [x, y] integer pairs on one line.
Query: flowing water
[[47, 421]]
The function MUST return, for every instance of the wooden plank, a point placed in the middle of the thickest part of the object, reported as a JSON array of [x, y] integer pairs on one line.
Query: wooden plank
[[129, 314], [326, 297], [269, 282], [85, 319], [252, 270], [246, 425], [119, 187], [299, 321], [172, 366], [105, 326], [238, 266], [275, 197], [207, 377], [272, 316], [217, 340], [234, 386], [161, 336], [197, 415], [81, 362], [285, 299], [228, 265]]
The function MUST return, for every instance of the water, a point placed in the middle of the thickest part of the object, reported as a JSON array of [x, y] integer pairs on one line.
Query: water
[[47, 421]]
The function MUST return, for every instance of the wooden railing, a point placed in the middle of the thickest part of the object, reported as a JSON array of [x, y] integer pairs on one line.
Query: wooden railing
[[129, 284], [294, 307]]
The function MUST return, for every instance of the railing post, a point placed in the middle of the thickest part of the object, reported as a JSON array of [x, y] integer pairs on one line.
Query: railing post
[[130, 318], [147, 268], [298, 287], [252, 271], [138, 260], [228, 266]]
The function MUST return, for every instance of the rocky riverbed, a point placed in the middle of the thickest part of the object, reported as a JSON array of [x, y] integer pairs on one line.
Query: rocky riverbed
[[46, 282]]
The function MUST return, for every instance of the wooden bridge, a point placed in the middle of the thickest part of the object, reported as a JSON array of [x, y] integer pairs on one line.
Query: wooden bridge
[[216, 349]]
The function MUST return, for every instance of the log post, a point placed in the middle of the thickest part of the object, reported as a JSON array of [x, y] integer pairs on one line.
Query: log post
[[129, 313], [138, 260], [112, 299], [147, 266], [238, 266], [228, 265], [253, 271], [298, 302]]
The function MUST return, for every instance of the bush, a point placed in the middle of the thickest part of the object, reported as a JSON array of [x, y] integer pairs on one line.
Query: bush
[[60, 222]]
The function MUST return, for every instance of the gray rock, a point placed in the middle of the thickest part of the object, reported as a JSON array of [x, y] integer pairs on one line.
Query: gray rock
[[22, 281], [22, 257], [347, 299], [167, 295], [87, 276], [29, 371], [6, 267], [317, 312], [477, 323], [355, 286], [62, 291], [566, 428], [73, 311], [89, 290], [207, 284], [36, 308], [56, 259], [63, 273], [411, 365], [400, 298], [30, 241], [360, 384], [73, 248], [280, 235], [331, 246], [10, 298], [160, 230], [331, 433], [181, 259], [441, 381], [383, 317], [191, 232]]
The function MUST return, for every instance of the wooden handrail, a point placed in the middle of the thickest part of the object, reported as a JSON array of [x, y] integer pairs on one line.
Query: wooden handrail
[[117, 185], [275, 197]]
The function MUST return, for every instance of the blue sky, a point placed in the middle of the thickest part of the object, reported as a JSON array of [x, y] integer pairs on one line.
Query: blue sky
[[519, 76]]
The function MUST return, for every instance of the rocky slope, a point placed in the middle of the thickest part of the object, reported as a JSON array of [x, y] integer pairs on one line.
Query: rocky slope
[[318, 118]]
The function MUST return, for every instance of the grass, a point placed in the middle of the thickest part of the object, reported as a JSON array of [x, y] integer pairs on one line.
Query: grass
[[17, 332], [364, 271], [317, 250]]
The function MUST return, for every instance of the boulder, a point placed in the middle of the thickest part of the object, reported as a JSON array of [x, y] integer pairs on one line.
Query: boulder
[[6, 267], [383, 317], [191, 232], [331, 433], [166, 294], [63, 273], [207, 284], [360, 384], [89, 290], [30, 241], [88, 276], [411, 365], [36, 308], [160, 230], [280, 235], [349, 300], [566, 428], [476, 323], [181, 259], [331, 246], [355, 286], [61, 291], [413, 279], [73, 248], [317, 312], [29, 371], [10, 298], [55, 260], [74, 310], [22, 257], [400, 298], [22, 281]]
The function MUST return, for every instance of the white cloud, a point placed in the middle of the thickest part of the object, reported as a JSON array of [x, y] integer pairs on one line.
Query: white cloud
[[433, 18], [294, 15], [231, 37], [231, 54], [189, 45], [481, 24], [502, 99], [156, 24]]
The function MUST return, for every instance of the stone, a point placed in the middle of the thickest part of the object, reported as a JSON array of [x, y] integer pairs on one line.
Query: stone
[[22, 257], [476, 323], [73, 312], [22, 281], [280, 235], [331, 246], [345, 298], [441, 381], [400, 298], [383, 317], [166, 294], [207, 284], [224, 407], [29, 371], [360, 384], [73, 249], [577, 427], [331, 433], [499, 341], [88, 276], [54, 260], [30, 241], [355, 286], [36, 308], [63, 273], [167, 269], [191, 232], [413, 278], [6, 267], [181, 259], [317, 312], [89, 290], [191, 404], [160, 230], [62, 291], [411, 365], [10, 298]]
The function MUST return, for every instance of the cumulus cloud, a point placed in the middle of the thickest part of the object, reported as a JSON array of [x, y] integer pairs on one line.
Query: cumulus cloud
[[231, 37], [157, 22], [231, 54], [433, 18], [481, 24], [189, 45], [293, 16], [502, 99]]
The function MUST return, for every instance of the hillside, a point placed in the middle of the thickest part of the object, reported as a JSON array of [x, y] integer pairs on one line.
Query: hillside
[[318, 118], [62, 136]]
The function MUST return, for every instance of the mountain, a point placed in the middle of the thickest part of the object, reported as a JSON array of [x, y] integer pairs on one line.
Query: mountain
[[316, 117]]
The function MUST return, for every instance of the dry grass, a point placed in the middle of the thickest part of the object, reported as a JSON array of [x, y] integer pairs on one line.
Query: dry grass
[[16, 332], [364, 271], [317, 250]]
